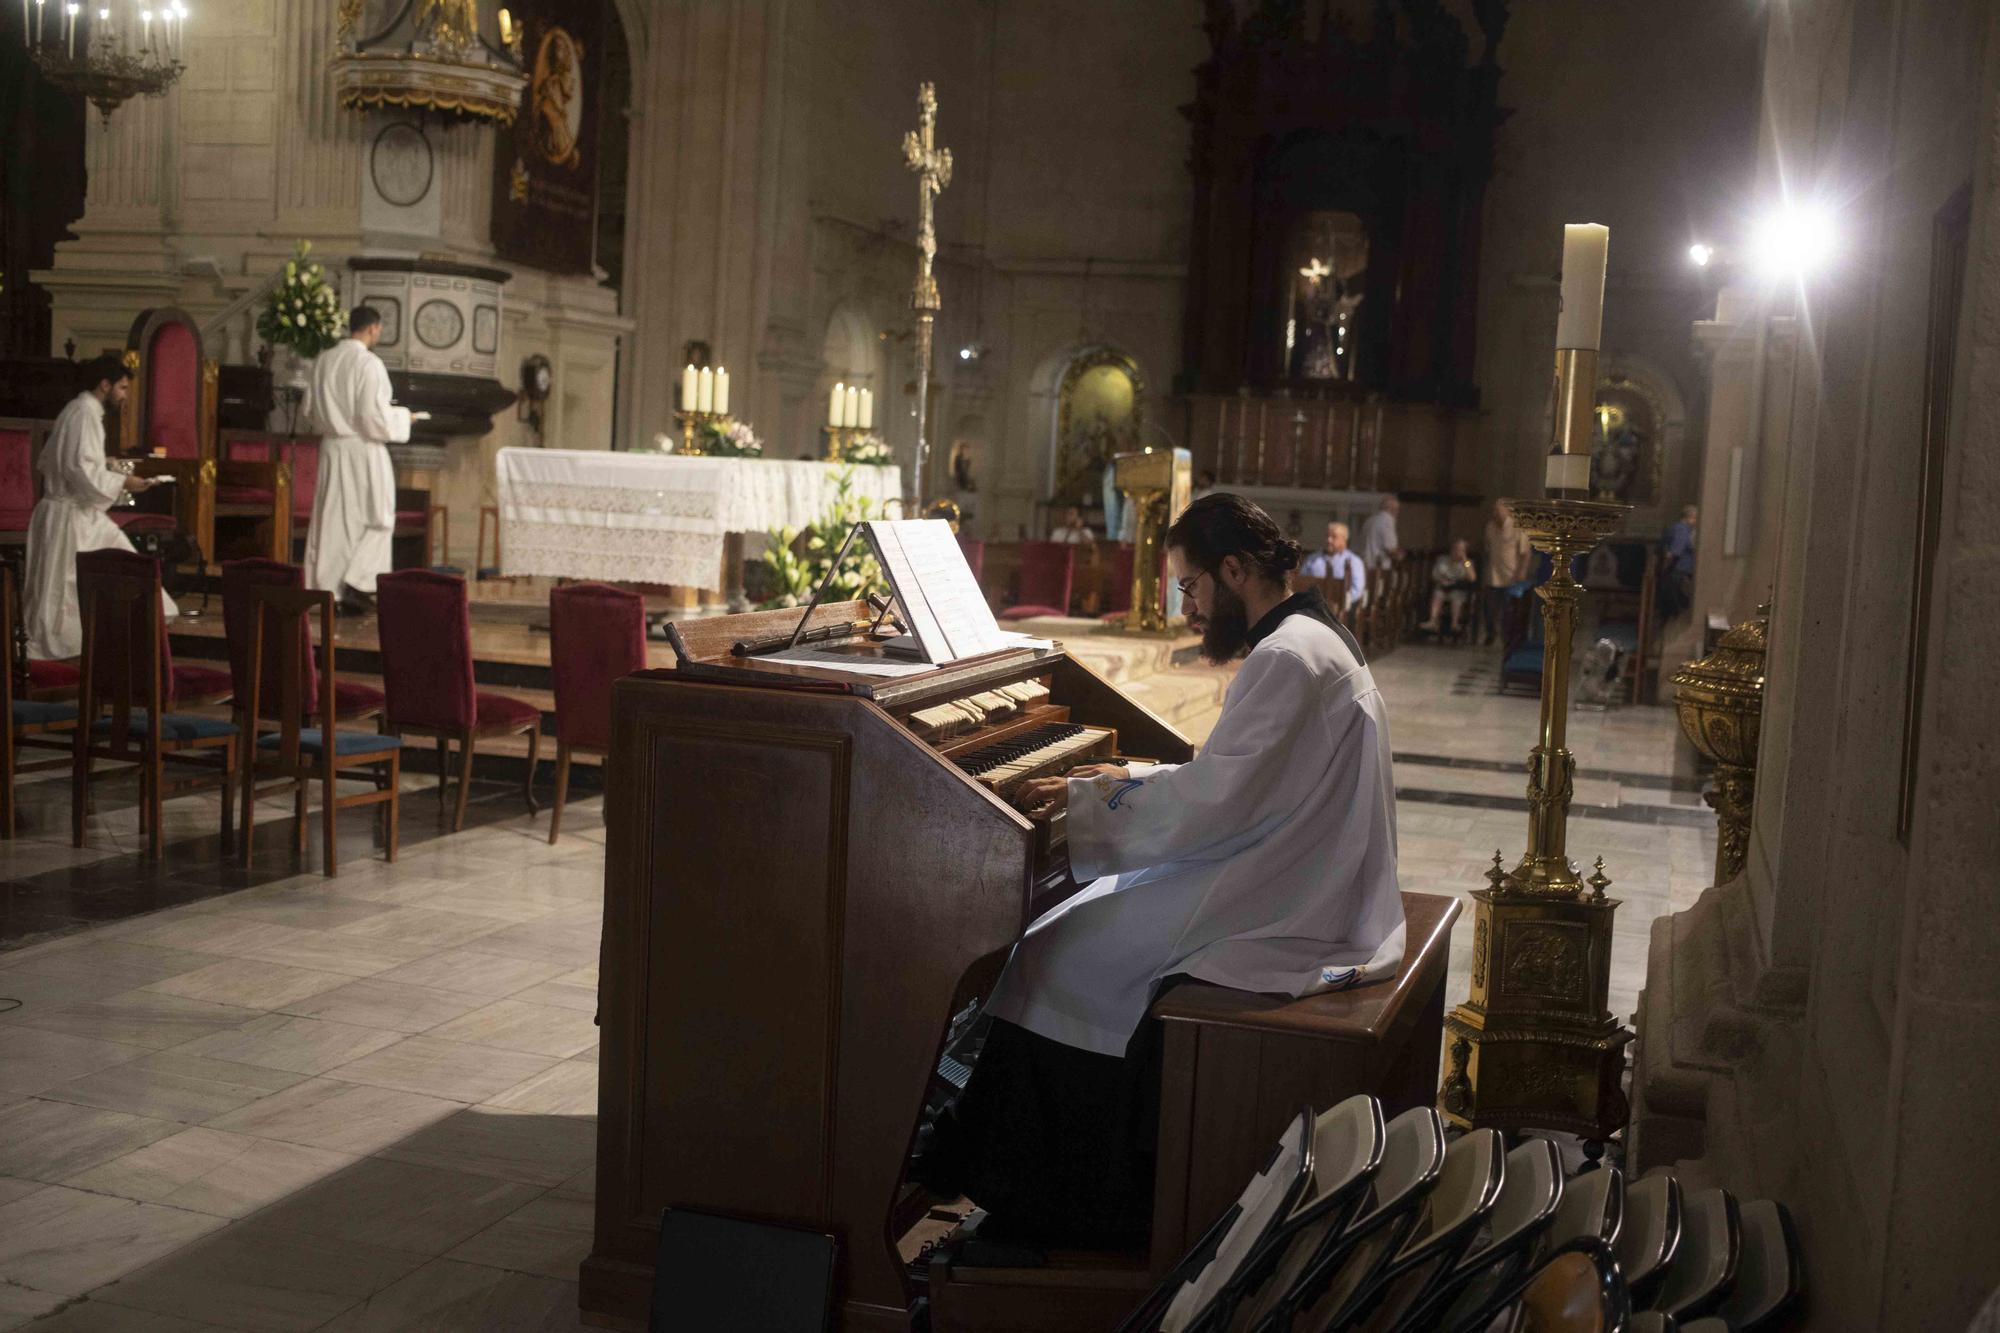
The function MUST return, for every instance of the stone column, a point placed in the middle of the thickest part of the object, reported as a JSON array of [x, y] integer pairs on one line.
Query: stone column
[[320, 144]]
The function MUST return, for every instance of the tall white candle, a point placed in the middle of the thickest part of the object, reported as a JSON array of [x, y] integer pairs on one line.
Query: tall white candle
[[721, 389], [705, 395], [867, 408], [689, 381], [1582, 321], [834, 398], [69, 28], [850, 408], [41, 8]]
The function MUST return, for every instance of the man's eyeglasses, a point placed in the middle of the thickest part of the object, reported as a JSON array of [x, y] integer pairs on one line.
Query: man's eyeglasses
[[1186, 585]]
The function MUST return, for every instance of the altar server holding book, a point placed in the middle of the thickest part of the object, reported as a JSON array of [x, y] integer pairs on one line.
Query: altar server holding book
[[354, 509]]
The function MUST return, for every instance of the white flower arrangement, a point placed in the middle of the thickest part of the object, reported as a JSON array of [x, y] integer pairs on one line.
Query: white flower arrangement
[[869, 450], [729, 438], [303, 311]]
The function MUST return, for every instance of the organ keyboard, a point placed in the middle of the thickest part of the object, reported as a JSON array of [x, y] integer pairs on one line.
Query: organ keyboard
[[807, 873]]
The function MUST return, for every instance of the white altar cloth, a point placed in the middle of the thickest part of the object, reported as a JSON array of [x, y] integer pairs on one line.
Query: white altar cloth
[[656, 518]]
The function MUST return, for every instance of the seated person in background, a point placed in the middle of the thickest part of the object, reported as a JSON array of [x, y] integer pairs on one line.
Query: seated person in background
[[1074, 531], [1677, 564], [1204, 483], [1452, 580], [1335, 561], [1267, 863]]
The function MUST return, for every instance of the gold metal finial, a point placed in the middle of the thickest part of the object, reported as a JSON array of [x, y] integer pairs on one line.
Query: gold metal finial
[[1497, 876], [1599, 882]]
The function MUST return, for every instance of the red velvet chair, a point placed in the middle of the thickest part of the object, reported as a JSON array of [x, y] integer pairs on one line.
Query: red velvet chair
[[1115, 593], [424, 621], [125, 669], [27, 720], [1047, 570], [975, 554], [352, 701], [20, 449], [597, 636], [279, 643]]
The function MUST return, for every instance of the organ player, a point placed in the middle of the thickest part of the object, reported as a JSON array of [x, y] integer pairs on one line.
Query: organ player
[[1268, 863]]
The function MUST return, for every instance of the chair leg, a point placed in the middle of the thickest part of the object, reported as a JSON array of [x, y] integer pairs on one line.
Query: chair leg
[[7, 788], [395, 798], [229, 762], [465, 748], [444, 769], [248, 777], [330, 811], [79, 783], [562, 789], [156, 842], [534, 756], [300, 789]]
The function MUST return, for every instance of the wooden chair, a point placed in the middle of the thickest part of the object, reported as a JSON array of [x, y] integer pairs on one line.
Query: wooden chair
[[597, 636], [425, 624], [28, 720], [297, 753], [1046, 574], [21, 443], [352, 701], [125, 669]]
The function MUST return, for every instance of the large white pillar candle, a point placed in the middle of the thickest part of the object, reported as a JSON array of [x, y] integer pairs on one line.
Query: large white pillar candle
[[867, 408], [850, 407], [705, 394], [834, 398], [1581, 323], [721, 389], [689, 381]]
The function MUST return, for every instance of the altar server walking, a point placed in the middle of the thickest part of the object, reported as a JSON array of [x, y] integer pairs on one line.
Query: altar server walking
[[354, 509], [78, 488]]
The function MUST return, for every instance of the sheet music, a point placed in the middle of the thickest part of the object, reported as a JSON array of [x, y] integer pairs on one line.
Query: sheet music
[[860, 666], [948, 614]]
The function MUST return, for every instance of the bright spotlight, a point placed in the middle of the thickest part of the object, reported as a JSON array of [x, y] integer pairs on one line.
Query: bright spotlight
[[1701, 254], [1794, 242], [965, 354]]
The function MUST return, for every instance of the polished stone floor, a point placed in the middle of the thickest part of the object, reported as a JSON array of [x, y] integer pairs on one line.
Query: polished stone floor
[[262, 1100]]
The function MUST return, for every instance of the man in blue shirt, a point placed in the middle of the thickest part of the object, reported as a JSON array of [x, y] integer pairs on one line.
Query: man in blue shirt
[[1677, 565], [1336, 561]]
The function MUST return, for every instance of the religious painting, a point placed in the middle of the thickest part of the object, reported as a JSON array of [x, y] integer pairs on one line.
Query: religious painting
[[545, 164], [1326, 270], [1098, 415], [1625, 447]]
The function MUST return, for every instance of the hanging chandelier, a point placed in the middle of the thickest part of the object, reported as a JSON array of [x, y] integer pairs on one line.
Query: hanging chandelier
[[104, 52], [430, 56]]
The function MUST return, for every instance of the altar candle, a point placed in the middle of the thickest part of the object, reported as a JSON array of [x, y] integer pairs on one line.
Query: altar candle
[[41, 8], [69, 28], [1581, 323], [721, 390], [850, 407], [146, 29], [688, 382], [835, 396], [867, 408], [705, 395]]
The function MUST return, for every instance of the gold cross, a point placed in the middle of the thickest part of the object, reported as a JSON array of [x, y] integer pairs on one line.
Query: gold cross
[[933, 167]]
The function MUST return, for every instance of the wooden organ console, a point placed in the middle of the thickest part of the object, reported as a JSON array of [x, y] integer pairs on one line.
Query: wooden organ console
[[807, 874]]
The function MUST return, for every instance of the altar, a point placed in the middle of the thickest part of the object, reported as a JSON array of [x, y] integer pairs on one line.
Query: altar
[[658, 518]]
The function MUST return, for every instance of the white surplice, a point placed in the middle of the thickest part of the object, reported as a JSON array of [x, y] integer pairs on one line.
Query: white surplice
[[1267, 863], [78, 488], [354, 508]]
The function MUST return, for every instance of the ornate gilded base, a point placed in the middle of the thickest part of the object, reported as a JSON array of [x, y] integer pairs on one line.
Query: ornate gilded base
[[1533, 1046]]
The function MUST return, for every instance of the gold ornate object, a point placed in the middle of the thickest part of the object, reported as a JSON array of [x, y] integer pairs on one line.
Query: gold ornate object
[[1720, 703], [106, 77], [430, 57], [691, 430], [1157, 483], [1535, 1045], [933, 167]]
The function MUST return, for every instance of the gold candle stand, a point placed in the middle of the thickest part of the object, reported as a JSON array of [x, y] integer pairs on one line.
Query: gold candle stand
[[838, 438], [1157, 483], [1535, 1045], [691, 424]]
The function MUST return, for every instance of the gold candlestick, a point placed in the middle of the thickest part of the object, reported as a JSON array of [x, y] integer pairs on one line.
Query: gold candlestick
[[691, 425]]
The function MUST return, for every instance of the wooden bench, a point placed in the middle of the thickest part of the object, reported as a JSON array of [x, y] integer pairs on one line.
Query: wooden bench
[[1235, 1067]]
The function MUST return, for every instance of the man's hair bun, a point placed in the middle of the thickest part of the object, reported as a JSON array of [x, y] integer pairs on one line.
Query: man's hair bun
[[1289, 553]]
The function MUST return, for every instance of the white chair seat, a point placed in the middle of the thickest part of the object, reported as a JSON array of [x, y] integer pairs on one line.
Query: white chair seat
[[1768, 1277], [1705, 1268], [1650, 1233]]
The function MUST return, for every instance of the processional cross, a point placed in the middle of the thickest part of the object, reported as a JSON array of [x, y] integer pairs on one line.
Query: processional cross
[[933, 167]]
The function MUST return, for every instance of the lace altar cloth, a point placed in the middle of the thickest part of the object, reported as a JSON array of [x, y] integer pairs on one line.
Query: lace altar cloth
[[656, 518]]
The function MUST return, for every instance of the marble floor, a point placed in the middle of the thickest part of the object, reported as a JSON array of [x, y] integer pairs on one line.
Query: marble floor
[[255, 1099]]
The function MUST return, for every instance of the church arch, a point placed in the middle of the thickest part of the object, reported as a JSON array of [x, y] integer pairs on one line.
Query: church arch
[[851, 353], [1095, 396]]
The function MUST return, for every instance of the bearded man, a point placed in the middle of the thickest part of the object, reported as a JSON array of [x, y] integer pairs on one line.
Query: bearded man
[[1267, 863]]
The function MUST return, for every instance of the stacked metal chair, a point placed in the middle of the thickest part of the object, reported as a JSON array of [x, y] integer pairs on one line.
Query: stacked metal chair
[[1354, 1224]]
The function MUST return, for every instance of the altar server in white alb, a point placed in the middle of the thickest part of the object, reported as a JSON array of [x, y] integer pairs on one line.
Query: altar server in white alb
[[1268, 864], [78, 489], [354, 509]]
